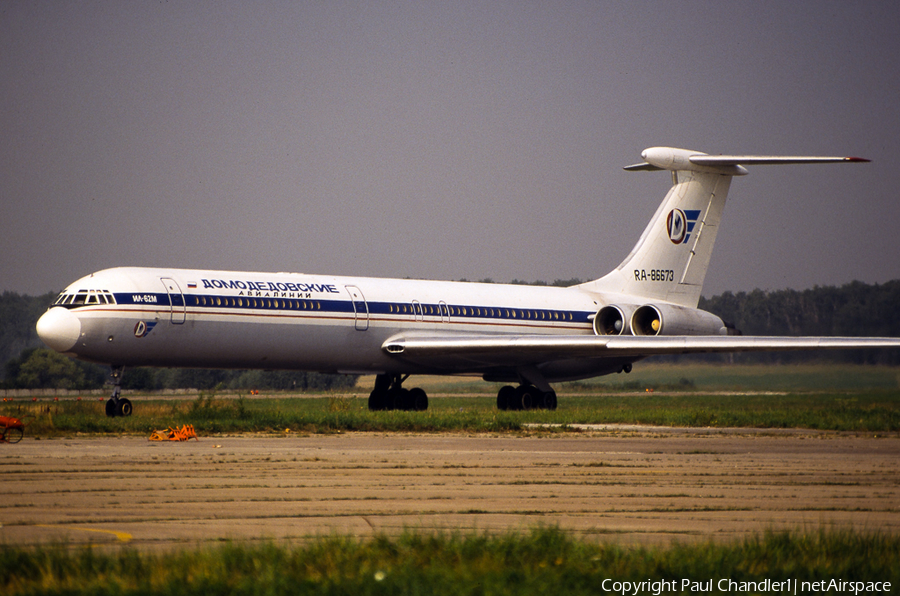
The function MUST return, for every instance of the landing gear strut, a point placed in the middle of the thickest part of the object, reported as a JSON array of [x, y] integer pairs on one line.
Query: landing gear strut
[[389, 394], [117, 405]]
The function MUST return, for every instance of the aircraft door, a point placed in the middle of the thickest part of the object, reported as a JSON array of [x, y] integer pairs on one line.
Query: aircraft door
[[176, 300], [360, 307]]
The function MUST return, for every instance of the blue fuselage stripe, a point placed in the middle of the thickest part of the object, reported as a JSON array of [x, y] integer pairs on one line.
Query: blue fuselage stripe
[[412, 310]]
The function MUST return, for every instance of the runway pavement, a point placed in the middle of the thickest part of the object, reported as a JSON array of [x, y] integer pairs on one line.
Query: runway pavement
[[630, 485]]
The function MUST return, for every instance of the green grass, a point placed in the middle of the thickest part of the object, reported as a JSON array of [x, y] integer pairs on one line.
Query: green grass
[[825, 397], [871, 411], [749, 377], [541, 561]]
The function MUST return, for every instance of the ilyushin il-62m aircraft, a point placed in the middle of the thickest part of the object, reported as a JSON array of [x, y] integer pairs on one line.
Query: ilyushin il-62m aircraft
[[526, 336]]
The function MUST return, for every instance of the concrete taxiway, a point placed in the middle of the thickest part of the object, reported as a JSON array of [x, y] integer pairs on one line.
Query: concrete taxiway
[[630, 485]]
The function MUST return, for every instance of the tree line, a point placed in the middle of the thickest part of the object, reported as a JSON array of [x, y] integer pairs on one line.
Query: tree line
[[41, 368], [854, 309]]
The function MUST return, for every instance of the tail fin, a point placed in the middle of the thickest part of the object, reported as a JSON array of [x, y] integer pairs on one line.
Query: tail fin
[[670, 259]]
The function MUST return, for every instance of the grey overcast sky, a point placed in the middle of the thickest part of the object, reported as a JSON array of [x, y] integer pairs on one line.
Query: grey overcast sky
[[440, 140]]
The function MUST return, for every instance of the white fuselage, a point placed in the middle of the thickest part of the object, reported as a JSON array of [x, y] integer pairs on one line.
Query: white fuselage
[[533, 334], [228, 319]]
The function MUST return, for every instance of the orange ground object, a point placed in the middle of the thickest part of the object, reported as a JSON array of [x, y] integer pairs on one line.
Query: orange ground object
[[175, 434], [11, 429]]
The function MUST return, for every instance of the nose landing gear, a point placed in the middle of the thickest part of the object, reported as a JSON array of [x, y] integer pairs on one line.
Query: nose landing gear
[[117, 405]]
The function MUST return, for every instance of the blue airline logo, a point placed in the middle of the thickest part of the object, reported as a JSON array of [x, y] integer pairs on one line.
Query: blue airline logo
[[142, 329], [680, 224]]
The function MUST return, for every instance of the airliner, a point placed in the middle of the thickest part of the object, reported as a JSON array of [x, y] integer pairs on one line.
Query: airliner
[[524, 336]]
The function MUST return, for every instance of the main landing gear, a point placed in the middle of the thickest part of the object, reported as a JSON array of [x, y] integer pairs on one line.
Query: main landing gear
[[533, 392], [388, 394], [525, 397], [117, 405]]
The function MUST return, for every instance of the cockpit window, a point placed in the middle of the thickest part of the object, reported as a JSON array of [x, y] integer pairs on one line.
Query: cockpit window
[[84, 298]]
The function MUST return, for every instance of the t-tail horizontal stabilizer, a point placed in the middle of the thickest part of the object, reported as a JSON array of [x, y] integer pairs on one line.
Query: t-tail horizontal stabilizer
[[670, 259], [668, 158]]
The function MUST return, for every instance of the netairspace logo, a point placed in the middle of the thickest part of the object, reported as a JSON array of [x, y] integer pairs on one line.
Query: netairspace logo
[[726, 585]]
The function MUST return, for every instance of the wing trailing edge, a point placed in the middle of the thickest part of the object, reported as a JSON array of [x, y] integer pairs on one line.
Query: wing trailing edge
[[530, 349]]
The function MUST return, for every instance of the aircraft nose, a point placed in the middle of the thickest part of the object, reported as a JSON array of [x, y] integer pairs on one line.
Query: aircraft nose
[[59, 329]]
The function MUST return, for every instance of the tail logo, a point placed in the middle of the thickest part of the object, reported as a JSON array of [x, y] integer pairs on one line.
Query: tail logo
[[680, 224]]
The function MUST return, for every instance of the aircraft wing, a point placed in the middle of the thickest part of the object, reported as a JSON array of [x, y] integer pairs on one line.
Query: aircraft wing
[[507, 350]]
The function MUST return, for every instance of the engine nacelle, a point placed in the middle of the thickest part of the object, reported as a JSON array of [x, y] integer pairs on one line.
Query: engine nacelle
[[612, 320], [668, 319]]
